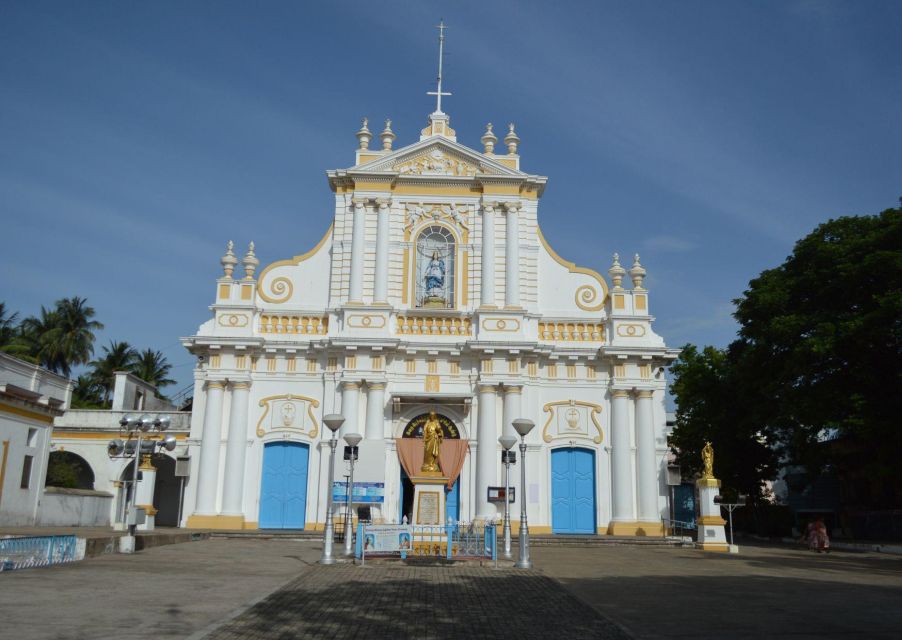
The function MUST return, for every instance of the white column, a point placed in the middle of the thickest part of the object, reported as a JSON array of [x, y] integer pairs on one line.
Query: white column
[[208, 472], [358, 241], [144, 497], [646, 466], [350, 403], [236, 448], [512, 257], [486, 448], [380, 292], [621, 477], [511, 409], [375, 410], [487, 296]]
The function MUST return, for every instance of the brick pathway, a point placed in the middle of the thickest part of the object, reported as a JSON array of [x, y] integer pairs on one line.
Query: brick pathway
[[398, 602]]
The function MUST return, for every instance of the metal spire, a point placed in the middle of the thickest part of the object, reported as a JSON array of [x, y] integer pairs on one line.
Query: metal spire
[[438, 93]]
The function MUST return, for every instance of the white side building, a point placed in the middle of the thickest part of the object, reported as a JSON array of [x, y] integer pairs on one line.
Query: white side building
[[434, 289], [30, 398]]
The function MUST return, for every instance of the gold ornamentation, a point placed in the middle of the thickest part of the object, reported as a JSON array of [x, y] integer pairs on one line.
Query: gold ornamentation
[[278, 296], [585, 296], [433, 384], [575, 414], [436, 163], [233, 320], [286, 414], [501, 324], [281, 289], [571, 332], [630, 330], [367, 321]]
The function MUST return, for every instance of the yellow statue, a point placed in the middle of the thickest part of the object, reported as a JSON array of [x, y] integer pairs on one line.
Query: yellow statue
[[432, 443], [708, 460]]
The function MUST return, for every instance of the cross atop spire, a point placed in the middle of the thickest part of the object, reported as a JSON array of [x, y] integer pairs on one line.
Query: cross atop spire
[[438, 93]]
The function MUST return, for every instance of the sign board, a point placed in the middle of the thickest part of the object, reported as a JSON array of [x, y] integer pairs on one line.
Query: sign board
[[347, 454], [496, 494], [182, 466], [386, 538], [509, 456], [364, 492]]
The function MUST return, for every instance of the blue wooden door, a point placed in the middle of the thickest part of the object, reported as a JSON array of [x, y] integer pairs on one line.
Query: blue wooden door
[[684, 503], [573, 491], [452, 501], [283, 492]]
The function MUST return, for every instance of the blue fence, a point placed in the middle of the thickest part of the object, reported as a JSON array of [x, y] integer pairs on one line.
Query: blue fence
[[456, 541], [38, 551]]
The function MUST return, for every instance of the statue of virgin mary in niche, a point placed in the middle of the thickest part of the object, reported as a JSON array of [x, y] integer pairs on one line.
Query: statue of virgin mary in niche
[[434, 281]]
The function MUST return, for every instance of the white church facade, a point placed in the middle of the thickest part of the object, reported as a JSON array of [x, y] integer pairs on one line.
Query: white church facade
[[433, 290]]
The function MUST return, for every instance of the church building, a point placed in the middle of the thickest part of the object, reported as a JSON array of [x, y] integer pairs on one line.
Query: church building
[[433, 290]]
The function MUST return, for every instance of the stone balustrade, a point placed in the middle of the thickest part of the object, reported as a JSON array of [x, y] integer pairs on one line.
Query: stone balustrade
[[434, 326], [294, 324], [571, 332]]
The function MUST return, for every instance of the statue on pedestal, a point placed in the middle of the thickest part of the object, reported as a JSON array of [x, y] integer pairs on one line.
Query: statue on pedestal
[[432, 444]]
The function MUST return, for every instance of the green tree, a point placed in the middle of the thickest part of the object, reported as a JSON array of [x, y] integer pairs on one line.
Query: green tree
[[712, 405], [87, 393], [58, 339], [822, 335], [8, 325], [119, 356], [152, 367]]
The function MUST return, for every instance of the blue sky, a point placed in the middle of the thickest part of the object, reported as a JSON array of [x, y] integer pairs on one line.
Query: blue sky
[[137, 138]]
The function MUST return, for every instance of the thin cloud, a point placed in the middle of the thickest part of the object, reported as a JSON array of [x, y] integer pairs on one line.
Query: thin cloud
[[668, 243]]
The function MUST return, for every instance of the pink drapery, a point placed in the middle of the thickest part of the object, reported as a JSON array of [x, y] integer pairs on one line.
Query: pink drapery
[[451, 459]]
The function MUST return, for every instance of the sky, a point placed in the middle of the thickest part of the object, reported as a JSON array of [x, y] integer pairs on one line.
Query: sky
[[136, 139]]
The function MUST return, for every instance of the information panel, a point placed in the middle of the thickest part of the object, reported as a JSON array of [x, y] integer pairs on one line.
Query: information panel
[[386, 538], [364, 492]]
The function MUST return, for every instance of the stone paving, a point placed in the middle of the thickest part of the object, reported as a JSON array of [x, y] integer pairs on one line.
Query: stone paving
[[398, 602]]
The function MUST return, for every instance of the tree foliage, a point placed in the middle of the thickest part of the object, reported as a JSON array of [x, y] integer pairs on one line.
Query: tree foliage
[[817, 357], [152, 366]]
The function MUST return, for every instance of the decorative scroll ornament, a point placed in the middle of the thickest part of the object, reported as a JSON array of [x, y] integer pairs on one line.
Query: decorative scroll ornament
[[569, 419], [280, 290], [436, 163], [587, 298], [288, 413]]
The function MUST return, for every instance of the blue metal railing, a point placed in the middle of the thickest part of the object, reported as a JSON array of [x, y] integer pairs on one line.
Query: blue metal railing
[[37, 551], [452, 541]]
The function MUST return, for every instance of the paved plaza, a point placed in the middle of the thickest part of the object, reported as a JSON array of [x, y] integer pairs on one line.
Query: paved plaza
[[223, 589]]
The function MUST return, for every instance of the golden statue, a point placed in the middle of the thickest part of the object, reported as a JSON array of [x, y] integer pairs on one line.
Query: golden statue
[[432, 443], [708, 460]]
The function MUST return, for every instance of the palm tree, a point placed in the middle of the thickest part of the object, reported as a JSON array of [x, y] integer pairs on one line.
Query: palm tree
[[119, 356], [30, 343], [8, 325], [152, 367], [73, 336], [87, 393]]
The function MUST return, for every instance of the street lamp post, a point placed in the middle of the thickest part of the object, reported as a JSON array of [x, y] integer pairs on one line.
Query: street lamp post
[[333, 421], [507, 442], [523, 426], [352, 439], [133, 427]]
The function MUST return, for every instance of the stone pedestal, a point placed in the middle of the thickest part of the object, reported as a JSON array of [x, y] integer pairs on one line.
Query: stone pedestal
[[711, 535], [429, 500]]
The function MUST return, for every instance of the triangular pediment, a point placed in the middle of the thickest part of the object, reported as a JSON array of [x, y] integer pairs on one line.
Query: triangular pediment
[[438, 157]]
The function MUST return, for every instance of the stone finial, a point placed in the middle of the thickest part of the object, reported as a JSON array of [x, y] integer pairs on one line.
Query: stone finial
[[511, 140], [364, 135], [617, 272], [637, 273], [251, 261], [388, 136], [228, 261], [489, 139]]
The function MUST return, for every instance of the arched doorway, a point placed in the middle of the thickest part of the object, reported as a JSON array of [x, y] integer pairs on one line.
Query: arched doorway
[[414, 429], [283, 490], [573, 491], [166, 492]]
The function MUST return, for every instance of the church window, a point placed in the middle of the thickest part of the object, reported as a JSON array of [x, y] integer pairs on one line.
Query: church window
[[435, 256]]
